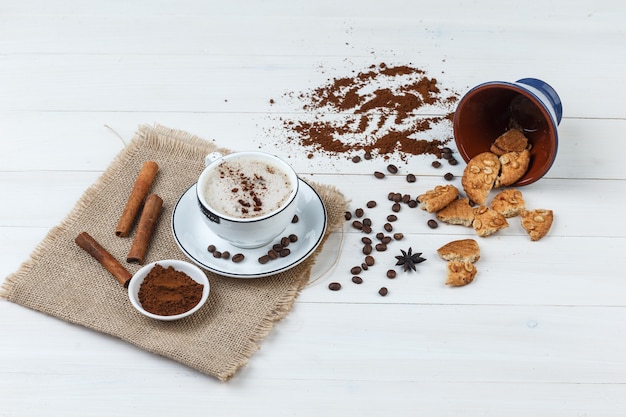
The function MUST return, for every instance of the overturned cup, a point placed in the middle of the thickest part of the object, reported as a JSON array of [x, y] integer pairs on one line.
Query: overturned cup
[[490, 109], [247, 198]]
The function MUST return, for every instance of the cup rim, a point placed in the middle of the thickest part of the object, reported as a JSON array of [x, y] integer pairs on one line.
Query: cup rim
[[287, 168]]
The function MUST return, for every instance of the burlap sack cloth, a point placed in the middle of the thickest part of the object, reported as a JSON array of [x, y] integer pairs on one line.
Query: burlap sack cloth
[[62, 280]]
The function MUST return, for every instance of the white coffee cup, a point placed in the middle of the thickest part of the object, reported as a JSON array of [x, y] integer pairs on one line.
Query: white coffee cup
[[242, 208]]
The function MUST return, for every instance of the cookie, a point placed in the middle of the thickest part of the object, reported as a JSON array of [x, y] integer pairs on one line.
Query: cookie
[[513, 166], [537, 222], [512, 140], [509, 202], [465, 250], [480, 176], [457, 212], [460, 273], [438, 198], [488, 221]]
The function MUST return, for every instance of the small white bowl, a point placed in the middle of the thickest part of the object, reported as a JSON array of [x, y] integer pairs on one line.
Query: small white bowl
[[192, 271]]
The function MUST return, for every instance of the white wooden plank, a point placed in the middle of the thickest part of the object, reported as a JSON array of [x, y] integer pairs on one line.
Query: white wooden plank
[[588, 148]]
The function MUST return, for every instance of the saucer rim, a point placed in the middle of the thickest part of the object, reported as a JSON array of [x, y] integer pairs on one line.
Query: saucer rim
[[275, 271]]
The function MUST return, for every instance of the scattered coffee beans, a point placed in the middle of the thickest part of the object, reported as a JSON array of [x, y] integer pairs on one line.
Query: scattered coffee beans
[[334, 286], [383, 291], [356, 270], [411, 178], [371, 204], [391, 274], [398, 236], [433, 224], [392, 169], [359, 212], [392, 218], [396, 207], [357, 280], [436, 164], [211, 248], [366, 240], [295, 219], [367, 249], [448, 176], [238, 257], [388, 227], [225, 255], [369, 260], [347, 215], [379, 175], [356, 159]]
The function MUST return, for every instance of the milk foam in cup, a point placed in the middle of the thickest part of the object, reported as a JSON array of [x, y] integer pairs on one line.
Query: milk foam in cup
[[247, 198]]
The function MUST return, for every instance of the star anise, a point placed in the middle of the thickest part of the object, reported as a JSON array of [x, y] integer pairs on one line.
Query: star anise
[[408, 260]]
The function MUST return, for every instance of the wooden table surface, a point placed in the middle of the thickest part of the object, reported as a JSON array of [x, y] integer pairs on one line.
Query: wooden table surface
[[540, 332]]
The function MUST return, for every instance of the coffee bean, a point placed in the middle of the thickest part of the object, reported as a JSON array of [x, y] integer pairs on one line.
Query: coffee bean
[[356, 270], [396, 207], [225, 255], [392, 168], [449, 176], [398, 236], [436, 164], [366, 240], [367, 222], [445, 149], [391, 274], [432, 224], [397, 197], [357, 280], [446, 155], [356, 159], [379, 175], [410, 178], [277, 247], [385, 240], [264, 259], [367, 249], [284, 252], [412, 204], [211, 248], [293, 238], [392, 218], [380, 235], [334, 286], [388, 227], [453, 161], [364, 266], [347, 215], [406, 198], [371, 204], [391, 196], [367, 155], [359, 212], [295, 219], [383, 291], [284, 241], [369, 260], [217, 254], [367, 229], [238, 257], [381, 247], [357, 225], [273, 254]]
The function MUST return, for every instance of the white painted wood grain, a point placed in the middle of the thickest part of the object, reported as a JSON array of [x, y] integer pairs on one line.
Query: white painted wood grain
[[539, 332]]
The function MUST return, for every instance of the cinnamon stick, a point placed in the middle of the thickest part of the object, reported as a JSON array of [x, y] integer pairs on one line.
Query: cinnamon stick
[[145, 228], [93, 248], [144, 181]]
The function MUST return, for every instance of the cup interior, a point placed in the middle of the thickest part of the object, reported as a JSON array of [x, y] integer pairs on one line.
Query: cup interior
[[262, 156], [485, 113]]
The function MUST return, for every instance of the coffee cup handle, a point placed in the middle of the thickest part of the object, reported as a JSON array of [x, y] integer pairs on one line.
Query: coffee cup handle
[[211, 157]]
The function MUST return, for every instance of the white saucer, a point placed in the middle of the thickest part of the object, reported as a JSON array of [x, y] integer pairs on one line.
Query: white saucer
[[193, 237]]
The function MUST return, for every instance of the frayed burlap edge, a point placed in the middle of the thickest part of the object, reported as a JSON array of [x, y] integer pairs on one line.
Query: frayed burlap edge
[[184, 142], [157, 135]]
